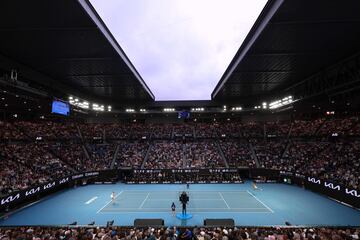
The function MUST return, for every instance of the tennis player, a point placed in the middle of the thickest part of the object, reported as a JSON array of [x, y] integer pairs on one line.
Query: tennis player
[[173, 209], [113, 197], [254, 186]]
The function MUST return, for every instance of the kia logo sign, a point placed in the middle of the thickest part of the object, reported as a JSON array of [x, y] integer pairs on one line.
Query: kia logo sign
[[49, 185], [32, 191], [352, 192], [64, 180], [332, 186], [10, 199], [314, 180]]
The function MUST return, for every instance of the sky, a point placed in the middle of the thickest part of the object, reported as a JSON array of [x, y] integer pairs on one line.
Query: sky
[[181, 48]]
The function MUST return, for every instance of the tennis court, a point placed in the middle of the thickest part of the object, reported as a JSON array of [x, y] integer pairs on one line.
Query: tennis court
[[274, 205], [200, 201]]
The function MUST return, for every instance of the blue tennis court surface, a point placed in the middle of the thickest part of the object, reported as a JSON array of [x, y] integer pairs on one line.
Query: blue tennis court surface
[[274, 205], [201, 201]]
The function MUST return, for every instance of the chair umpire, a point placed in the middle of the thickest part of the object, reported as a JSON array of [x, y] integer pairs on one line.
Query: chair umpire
[[184, 199]]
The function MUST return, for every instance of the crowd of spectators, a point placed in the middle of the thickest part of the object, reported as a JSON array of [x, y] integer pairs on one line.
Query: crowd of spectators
[[91, 131], [24, 165], [165, 155], [305, 128], [116, 131], [229, 129], [161, 131], [48, 130], [181, 177], [339, 126], [237, 153], [174, 233], [355, 131], [202, 154], [9, 132], [134, 131], [72, 154], [101, 155], [52, 130], [131, 154], [183, 129], [334, 161], [269, 152], [29, 161], [299, 156], [251, 130], [277, 129], [206, 130], [341, 163]]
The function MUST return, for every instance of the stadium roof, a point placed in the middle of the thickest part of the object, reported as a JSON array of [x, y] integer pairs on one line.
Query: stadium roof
[[290, 41], [65, 46]]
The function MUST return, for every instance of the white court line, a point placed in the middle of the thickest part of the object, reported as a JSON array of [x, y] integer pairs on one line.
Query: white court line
[[109, 201], [114, 209], [261, 202], [172, 199], [222, 197], [242, 191], [267, 212], [91, 200], [142, 204]]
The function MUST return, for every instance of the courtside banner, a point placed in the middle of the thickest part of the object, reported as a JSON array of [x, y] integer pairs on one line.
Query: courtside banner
[[202, 171], [336, 191], [30, 192], [327, 187]]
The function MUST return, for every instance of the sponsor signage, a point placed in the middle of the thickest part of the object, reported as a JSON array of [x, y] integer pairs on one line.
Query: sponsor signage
[[323, 186], [352, 192], [333, 190], [29, 192], [204, 171]]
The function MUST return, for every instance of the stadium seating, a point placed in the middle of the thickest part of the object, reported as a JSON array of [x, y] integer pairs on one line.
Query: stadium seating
[[304, 146], [172, 233]]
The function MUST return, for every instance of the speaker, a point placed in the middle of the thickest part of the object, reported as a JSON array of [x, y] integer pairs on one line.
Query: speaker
[[219, 222], [150, 222]]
